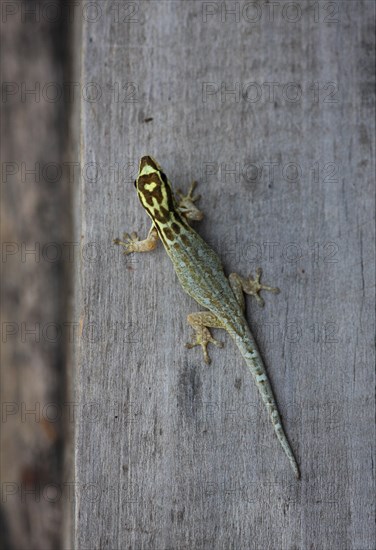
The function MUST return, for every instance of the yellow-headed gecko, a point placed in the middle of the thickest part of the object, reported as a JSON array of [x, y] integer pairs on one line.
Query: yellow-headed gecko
[[201, 275]]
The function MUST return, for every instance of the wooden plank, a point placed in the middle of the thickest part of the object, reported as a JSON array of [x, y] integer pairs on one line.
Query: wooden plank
[[171, 453], [36, 147]]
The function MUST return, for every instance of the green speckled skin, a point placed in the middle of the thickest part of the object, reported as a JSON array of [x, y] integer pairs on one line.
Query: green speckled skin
[[201, 275]]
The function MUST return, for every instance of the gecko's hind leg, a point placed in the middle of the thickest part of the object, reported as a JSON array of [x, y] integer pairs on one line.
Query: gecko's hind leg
[[200, 321], [251, 286]]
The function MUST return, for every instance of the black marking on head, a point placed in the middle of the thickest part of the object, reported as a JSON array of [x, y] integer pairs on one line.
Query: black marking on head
[[157, 195], [156, 192]]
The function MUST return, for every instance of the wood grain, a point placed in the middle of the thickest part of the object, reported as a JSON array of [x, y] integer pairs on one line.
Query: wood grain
[[36, 291], [273, 114]]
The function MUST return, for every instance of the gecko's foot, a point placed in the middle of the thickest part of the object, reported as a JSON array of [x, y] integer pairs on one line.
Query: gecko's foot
[[186, 203], [202, 338], [129, 242], [253, 287]]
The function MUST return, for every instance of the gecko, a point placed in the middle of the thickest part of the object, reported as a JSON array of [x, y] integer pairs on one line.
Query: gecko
[[201, 275]]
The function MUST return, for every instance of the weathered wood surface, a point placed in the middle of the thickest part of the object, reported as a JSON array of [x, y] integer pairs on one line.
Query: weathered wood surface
[[171, 453], [36, 142]]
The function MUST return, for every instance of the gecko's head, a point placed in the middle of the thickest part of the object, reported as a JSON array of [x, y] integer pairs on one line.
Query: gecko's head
[[154, 190]]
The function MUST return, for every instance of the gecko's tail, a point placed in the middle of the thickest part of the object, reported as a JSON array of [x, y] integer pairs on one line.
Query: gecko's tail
[[248, 349]]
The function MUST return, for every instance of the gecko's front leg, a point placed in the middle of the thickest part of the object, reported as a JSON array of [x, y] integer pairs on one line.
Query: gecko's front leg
[[132, 243], [186, 204]]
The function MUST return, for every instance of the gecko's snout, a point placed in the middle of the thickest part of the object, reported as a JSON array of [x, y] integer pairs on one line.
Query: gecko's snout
[[148, 161]]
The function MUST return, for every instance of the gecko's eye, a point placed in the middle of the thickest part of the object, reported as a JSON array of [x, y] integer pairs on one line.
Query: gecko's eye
[[164, 178]]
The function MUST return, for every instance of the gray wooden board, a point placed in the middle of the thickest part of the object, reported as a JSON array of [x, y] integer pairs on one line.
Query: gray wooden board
[[36, 142], [170, 452]]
